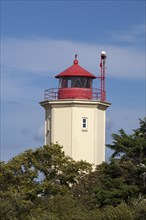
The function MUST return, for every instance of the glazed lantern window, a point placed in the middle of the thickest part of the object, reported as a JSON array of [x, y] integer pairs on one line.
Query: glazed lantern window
[[75, 82]]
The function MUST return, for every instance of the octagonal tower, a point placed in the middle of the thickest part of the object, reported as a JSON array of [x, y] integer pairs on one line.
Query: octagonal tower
[[75, 114]]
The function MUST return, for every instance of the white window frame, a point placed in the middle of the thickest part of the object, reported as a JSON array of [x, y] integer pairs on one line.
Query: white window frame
[[84, 123]]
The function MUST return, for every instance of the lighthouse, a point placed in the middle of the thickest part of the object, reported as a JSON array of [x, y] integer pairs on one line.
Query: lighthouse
[[75, 113]]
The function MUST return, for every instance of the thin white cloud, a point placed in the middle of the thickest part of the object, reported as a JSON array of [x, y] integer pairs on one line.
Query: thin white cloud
[[46, 56], [39, 136], [134, 35]]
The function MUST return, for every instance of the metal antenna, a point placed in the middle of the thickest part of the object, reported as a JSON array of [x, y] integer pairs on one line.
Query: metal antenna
[[102, 76]]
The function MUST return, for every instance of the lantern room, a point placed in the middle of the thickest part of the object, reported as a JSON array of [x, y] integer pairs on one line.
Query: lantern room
[[75, 82]]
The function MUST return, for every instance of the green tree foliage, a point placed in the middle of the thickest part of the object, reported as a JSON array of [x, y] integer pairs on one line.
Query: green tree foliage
[[120, 212], [110, 184], [130, 147], [44, 184], [44, 172], [123, 179]]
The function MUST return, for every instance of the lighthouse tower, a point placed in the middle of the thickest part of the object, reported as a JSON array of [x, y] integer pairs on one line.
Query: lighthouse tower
[[75, 113]]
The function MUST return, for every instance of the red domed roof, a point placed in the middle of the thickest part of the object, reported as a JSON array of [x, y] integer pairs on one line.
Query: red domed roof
[[75, 70]]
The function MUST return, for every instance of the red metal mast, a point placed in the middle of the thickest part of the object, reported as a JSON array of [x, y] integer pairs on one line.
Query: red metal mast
[[102, 76]]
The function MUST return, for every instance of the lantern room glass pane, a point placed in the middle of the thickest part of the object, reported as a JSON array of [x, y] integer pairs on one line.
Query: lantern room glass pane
[[65, 82], [75, 82]]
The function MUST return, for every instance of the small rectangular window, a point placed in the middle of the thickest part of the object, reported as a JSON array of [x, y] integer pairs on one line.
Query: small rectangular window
[[84, 123]]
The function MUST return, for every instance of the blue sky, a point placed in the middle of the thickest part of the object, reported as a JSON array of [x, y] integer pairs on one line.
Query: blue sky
[[39, 40]]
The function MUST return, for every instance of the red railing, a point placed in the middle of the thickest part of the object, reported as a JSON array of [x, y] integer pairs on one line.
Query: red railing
[[96, 94], [52, 94]]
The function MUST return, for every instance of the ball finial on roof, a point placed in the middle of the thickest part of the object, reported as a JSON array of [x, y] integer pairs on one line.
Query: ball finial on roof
[[75, 61]]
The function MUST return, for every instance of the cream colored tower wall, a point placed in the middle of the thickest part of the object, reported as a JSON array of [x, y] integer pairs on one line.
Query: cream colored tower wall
[[62, 127], [100, 136], [64, 124], [83, 139], [88, 144]]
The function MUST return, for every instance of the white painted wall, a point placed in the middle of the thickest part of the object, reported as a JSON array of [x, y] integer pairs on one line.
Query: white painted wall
[[64, 121]]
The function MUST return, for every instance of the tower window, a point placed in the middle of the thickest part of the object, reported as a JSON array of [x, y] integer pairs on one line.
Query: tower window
[[84, 123]]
